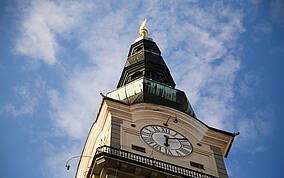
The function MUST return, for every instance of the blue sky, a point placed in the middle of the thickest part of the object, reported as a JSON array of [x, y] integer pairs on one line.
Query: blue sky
[[56, 56]]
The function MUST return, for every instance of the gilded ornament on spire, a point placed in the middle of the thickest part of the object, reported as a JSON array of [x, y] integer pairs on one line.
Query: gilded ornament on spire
[[143, 31]]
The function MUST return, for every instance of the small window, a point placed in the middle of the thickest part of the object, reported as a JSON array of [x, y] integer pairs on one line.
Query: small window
[[138, 148], [197, 165], [137, 50], [136, 75]]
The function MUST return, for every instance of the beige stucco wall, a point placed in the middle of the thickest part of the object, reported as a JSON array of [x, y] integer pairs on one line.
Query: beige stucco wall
[[116, 117], [148, 114]]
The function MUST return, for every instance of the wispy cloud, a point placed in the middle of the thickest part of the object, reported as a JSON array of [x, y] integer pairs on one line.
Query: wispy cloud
[[258, 124], [204, 61], [26, 99], [74, 110], [203, 64], [249, 82], [199, 44], [42, 22], [57, 158], [262, 31], [277, 11]]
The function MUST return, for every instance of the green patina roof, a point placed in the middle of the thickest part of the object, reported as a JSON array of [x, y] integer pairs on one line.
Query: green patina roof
[[144, 90]]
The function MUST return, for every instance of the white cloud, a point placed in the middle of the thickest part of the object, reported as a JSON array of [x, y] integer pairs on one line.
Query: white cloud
[[26, 99], [206, 68], [43, 21], [26, 108], [106, 46], [262, 31], [255, 2], [258, 125], [58, 155], [247, 128], [203, 63], [249, 82], [264, 27], [198, 44], [278, 50], [260, 149], [277, 11]]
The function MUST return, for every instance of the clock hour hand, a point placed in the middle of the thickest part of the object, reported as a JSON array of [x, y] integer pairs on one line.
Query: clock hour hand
[[167, 140]]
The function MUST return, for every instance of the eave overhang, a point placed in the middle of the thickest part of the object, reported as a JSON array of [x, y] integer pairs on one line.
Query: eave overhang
[[228, 136]]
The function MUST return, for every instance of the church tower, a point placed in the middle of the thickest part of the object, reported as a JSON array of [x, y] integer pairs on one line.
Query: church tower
[[147, 128]]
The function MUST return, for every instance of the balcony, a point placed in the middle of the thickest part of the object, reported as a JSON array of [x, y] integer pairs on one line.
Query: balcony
[[106, 152]]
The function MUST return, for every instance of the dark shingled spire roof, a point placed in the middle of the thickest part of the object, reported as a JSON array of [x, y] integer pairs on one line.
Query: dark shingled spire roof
[[147, 79]]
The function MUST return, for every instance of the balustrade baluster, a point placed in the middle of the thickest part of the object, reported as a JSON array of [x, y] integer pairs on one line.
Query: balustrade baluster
[[150, 161]]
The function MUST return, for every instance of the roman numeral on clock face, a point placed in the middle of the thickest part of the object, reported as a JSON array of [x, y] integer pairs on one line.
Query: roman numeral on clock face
[[168, 151], [145, 133], [181, 151], [149, 140], [186, 146], [165, 130], [157, 147], [156, 128], [174, 134]]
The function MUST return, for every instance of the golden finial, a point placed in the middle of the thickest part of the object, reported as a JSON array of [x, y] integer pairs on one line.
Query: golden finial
[[143, 31]]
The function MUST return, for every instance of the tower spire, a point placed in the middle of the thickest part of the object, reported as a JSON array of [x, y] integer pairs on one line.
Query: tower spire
[[146, 78], [145, 114]]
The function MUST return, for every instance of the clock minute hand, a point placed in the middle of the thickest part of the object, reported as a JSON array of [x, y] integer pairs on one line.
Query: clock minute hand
[[176, 138], [180, 138]]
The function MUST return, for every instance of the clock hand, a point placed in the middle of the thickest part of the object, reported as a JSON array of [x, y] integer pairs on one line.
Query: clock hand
[[167, 140], [178, 138]]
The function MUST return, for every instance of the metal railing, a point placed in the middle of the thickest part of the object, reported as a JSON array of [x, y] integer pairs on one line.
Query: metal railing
[[181, 171]]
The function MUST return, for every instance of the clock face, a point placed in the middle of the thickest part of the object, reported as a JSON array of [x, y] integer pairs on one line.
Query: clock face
[[166, 140]]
